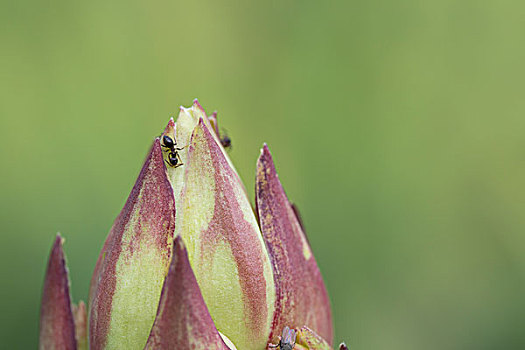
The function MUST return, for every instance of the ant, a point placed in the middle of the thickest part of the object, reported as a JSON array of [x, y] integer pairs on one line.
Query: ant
[[287, 341], [173, 156], [226, 141]]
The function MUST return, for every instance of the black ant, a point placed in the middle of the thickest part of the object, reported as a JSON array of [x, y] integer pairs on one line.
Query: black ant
[[226, 141], [287, 341], [173, 155]]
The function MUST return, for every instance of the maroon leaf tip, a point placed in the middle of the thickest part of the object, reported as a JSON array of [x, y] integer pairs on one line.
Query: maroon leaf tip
[[183, 321], [199, 106], [301, 294], [169, 127], [57, 325]]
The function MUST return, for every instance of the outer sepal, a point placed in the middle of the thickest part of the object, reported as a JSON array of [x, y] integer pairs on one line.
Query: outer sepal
[[301, 294], [57, 325], [183, 321], [129, 275], [224, 244]]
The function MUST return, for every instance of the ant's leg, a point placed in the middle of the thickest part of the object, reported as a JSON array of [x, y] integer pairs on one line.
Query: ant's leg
[[180, 159]]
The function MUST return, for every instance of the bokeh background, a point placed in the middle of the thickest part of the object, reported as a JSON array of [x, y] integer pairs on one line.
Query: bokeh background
[[397, 127]]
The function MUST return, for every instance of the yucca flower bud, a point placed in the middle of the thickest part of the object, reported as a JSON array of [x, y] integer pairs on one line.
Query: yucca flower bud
[[190, 264]]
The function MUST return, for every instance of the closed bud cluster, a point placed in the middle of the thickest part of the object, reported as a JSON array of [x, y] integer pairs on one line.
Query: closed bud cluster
[[189, 263]]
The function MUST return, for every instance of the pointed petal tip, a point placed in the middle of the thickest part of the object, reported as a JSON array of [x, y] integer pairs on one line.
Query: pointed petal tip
[[157, 151], [197, 104], [182, 310], [57, 327], [265, 153], [58, 242], [178, 244], [202, 128], [170, 127], [301, 293], [184, 111], [265, 157], [57, 252]]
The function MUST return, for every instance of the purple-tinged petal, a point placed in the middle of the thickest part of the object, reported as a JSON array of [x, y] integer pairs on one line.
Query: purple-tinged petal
[[181, 131], [132, 266], [343, 346], [225, 246], [310, 340], [181, 134], [57, 325], [301, 294], [214, 123], [199, 111], [80, 317], [183, 321]]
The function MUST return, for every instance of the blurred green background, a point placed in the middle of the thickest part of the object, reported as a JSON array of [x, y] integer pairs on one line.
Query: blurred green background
[[397, 127]]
